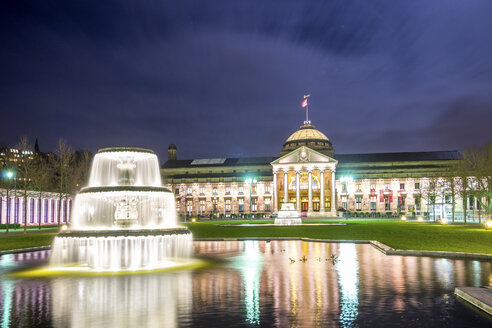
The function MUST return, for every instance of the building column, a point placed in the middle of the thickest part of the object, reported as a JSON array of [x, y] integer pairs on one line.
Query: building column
[[298, 192], [310, 191], [322, 191], [286, 191], [275, 199], [333, 199]]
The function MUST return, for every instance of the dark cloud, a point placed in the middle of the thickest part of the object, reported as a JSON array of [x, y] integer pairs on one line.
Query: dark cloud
[[225, 78]]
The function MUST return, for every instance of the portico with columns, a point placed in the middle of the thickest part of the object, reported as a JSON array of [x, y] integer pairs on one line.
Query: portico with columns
[[306, 178]]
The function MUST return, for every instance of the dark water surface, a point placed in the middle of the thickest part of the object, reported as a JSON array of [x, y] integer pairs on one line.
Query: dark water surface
[[257, 283]]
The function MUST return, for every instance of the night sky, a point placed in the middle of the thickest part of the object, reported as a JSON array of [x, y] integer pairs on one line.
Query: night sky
[[225, 78]]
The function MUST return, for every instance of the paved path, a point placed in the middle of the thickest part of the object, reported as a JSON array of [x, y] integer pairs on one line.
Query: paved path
[[480, 297]]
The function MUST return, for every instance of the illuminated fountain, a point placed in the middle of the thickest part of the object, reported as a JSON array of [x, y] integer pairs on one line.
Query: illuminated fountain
[[124, 219], [288, 215]]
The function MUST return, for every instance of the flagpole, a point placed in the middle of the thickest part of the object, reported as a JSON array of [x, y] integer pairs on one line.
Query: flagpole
[[307, 109]]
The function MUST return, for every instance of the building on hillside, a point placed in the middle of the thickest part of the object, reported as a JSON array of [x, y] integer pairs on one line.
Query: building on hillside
[[309, 174]]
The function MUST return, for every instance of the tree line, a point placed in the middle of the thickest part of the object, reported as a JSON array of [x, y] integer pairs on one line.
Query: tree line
[[63, 171], [468, 180]]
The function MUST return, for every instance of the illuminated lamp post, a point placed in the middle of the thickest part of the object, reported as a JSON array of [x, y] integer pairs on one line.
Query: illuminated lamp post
[[10, 175], [346, 180], [250, 181]]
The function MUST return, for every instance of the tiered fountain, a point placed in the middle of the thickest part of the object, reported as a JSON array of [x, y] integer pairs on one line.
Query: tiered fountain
[[124, 219]]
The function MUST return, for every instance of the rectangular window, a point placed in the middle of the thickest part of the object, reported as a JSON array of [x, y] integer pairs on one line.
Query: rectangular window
[[373, 203], [358, 203], [214, 191], [228, 190], [240, 202], [448, 199], [402, 186], [202, 206], [202, 190], [471, 202], [387, 204], [189, 206], [46, 210], [31, 210], [189, 190], [176, 191], [54, 211], [358, 187], [267, 189], [373, 186], [267, 204], [387, 186], [253, 205], [253, 189], [418, 201], [228, 205], [432, 199], [344, 202], [241, 190], [417, 185]]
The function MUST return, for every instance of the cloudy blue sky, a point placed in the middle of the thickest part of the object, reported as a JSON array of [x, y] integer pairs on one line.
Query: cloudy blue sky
[[226, 78]]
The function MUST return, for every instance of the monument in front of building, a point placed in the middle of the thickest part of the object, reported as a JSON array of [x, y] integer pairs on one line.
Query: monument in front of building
[[288, 215]]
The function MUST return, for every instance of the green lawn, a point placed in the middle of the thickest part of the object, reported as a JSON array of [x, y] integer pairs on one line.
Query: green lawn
[[399, 235], [17, 241]]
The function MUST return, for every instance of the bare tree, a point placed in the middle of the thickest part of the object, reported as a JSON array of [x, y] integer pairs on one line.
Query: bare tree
[[478, 164], [61, 162], [26, 171]]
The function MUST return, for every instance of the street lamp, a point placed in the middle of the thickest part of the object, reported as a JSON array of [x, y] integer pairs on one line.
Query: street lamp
[[10, 174], [345, 180], [250, 181]]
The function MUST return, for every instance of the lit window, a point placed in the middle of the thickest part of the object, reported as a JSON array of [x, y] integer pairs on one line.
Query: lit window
[[267, 204], [202, 190], [253, 205], [241, 189], [228, 190], [202, 206], [387, 186], [189, 190], [240, 202], [214, 190], [358, 203], [373, 186], [267, 189], [189, 206], [228, 205]]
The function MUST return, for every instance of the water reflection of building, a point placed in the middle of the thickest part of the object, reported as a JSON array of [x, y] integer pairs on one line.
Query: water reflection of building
[[253, 282], [316, 292], [308, 173]]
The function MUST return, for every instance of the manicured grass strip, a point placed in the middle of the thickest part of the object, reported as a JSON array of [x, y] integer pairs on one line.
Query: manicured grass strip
[[398, 235], [26, 241]]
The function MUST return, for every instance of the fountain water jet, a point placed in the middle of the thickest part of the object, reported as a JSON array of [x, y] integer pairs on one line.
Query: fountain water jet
[[124, 219]]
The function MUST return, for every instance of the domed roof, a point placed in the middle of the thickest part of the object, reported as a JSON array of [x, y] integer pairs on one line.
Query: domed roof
[[308, 136], [307, 132]]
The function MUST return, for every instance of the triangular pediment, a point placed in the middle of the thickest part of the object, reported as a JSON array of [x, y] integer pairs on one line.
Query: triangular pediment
[[302, 155]]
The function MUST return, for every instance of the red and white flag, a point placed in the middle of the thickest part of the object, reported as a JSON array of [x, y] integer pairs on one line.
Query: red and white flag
[[304, 103]]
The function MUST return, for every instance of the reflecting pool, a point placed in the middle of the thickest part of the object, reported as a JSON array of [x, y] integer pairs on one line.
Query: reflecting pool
[[253, 283]]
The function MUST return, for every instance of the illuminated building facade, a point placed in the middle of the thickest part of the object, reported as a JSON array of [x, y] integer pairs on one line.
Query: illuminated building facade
[[319, 182]]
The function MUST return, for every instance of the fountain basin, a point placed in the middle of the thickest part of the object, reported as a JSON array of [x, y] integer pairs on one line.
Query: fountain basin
[[119, 250]]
